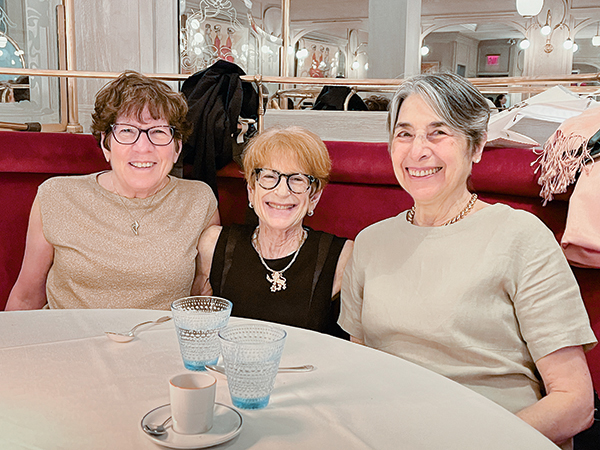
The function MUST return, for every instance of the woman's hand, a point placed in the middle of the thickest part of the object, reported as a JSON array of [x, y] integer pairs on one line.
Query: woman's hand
[[568, 407], [29, 292]]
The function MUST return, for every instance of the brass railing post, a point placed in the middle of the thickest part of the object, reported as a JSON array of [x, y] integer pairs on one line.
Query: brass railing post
[[285, 38], [73, 125]]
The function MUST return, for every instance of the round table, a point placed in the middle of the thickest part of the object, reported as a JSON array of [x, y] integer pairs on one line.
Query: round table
[[65, 385]]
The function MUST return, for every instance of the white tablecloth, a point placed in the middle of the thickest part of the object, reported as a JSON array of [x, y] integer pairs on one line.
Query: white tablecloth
[[64, 385]]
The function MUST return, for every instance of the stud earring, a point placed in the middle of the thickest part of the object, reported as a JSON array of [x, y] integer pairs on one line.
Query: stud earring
[[310, 213]]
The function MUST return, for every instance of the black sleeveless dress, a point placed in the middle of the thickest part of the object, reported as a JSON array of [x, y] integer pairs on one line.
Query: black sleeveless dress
[[238, 275]]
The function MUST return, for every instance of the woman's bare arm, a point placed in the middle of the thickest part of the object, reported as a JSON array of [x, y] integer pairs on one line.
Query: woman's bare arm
[[345, 256], [206, 250], [29, 292], [568, 407]]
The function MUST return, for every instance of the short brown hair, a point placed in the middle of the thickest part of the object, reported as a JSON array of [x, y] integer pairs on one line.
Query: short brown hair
[[130, 94], [288, 143]]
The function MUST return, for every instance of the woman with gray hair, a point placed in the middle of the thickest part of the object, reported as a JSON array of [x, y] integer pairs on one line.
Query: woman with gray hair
[[479, 293]]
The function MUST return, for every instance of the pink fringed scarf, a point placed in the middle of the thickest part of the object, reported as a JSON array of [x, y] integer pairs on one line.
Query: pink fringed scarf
[[565, 153]]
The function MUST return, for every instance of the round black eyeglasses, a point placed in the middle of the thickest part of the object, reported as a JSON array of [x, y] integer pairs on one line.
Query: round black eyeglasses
[[129, 134], [298, 183]]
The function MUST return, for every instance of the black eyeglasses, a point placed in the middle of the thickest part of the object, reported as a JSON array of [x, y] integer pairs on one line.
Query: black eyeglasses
[[129, 134], [298, 183]]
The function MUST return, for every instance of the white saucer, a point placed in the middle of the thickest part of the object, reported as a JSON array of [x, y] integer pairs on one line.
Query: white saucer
[[227, 424]]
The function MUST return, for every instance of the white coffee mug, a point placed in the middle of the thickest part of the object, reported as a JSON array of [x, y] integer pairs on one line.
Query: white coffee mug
[[192, 402]]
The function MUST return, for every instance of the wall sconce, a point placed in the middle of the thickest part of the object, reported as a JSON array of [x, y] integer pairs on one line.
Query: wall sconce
[[524, 44], [356, 64], [424, 50], [547, 30], [568, 44], [596, 39], [529, 8]]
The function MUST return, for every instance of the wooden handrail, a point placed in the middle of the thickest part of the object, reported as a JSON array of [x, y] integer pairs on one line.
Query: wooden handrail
[[497, 81], [485, 85]]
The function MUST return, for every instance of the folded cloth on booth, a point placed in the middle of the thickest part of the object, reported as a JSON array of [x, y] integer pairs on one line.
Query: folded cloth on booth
[[566, 152], [531, 122], [581, 240]]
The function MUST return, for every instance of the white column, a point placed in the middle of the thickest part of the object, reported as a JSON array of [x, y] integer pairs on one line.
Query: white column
[[394, 38]]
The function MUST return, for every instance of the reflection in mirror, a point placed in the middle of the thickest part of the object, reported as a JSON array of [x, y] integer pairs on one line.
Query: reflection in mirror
[[211, 30], [478, 49], [13, 88], [29, 40], [586, 51], [319, 58]]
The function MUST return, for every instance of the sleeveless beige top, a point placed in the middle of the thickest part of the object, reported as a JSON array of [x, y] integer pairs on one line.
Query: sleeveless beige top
[[98, 260]]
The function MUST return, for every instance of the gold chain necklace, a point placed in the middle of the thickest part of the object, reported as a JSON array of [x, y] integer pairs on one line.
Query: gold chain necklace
[[410, 214], [276, 278]]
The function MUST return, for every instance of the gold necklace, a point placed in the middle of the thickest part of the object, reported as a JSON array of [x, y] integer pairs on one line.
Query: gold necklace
[[276, 278], [410, 214]]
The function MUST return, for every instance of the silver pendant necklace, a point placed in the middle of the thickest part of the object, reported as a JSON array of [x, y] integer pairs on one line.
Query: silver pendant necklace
[[275, 277], [135, 225]]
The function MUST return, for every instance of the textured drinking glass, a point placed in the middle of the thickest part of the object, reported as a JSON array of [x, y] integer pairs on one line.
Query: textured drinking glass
[[251, 354], [198, 319]]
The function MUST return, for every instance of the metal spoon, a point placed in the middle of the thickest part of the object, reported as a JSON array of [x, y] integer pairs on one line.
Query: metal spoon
[[126, 337], [157, 430], [289, 369]]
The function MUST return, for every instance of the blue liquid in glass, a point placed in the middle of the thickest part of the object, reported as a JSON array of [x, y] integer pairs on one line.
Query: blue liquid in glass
[[198, 365], [250, 403]]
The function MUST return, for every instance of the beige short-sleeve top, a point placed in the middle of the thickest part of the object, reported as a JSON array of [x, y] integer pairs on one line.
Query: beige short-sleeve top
[[98, 260]]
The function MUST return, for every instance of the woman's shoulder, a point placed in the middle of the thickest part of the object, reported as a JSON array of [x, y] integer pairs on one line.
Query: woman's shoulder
[[66, 184], [382, 228], [194, 187], [505, 216], [323, 234], [197, 196], [68, 180]]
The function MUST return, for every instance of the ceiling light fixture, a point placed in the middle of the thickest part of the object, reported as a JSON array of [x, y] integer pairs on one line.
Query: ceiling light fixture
[[529, 8]]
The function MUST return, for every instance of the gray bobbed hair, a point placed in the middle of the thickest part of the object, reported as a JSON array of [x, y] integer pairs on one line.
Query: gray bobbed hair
[[452, 98]]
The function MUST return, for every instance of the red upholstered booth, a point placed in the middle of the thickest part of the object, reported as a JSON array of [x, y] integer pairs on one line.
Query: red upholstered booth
[[363, 190], [26, 160]]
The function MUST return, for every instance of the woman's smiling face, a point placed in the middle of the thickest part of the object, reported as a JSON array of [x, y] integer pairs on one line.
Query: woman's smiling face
[[432, 161], [279, 208], [140, 169]]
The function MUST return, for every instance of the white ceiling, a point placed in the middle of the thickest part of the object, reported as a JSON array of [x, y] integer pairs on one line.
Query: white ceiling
[[484, 19]]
